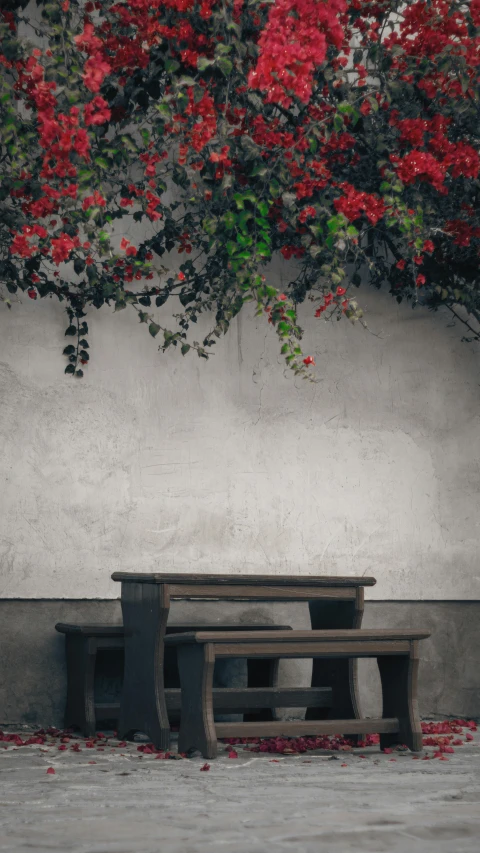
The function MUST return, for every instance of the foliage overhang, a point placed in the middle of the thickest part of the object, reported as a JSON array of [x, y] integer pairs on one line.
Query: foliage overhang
[[342, 134]]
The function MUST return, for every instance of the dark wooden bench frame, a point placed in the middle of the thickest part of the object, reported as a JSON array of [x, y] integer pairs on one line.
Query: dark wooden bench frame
[[83, 642], [334, 602], [397, 657]]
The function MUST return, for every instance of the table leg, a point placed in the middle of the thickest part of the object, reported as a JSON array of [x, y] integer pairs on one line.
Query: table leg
[[340, 674], [145, 609]]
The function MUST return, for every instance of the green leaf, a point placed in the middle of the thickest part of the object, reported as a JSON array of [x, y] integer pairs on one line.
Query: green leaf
[[263, 250], [203, 63], [185, 348], [335, 224], [69, 368], [69, 350], [186, 81], [84, 175], [164, 109], [229, 220], [225, 65], [102, 162], [154, 329], [275, 189], [259, 170], [72, 330], [129, 142]]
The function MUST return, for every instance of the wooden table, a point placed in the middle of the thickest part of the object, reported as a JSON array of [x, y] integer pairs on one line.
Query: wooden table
[[334, 602]]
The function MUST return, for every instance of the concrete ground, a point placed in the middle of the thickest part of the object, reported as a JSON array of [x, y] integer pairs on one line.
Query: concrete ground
[[119, 800]]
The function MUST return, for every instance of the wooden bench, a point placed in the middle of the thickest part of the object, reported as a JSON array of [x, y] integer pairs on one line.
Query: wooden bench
[[83, 642], [397, 657]]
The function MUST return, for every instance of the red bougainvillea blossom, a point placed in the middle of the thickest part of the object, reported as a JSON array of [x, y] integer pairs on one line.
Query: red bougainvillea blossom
[[341, 135]]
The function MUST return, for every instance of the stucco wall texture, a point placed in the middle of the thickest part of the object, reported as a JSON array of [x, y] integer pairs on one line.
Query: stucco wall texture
[[158, 462]]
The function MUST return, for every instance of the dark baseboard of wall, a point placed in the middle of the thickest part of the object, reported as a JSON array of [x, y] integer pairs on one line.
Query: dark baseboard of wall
[[32, 664]]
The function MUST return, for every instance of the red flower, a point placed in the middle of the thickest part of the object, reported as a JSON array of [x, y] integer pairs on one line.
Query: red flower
[[421, 166], [32, 293], [95, 199], [96, 111], [96, 69], [353, 203], [62, 247], [309, 360], [181, 276], [341, 291], [420, 280]]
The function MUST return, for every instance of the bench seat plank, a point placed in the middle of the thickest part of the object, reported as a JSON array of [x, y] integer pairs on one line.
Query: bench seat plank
[[328, 636], [90, 630], [102, 630]]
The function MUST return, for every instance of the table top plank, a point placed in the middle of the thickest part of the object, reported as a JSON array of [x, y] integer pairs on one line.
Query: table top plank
[[242, 580]]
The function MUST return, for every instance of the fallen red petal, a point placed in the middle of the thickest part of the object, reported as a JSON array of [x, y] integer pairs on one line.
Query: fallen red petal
[[51, 771], [205, 767]]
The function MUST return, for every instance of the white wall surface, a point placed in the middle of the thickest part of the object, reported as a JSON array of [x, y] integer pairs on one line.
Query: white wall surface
[[158, 462]]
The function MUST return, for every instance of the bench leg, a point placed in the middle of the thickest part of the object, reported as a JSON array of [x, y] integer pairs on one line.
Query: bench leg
[[143, 707], [80, 707], [197, 727], [398, 674]]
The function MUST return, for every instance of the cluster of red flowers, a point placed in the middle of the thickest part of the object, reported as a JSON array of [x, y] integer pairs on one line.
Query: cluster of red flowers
[[353, 203], [293, 43]]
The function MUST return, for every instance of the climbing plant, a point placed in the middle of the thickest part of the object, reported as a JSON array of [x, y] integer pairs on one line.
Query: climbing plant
[[342, 134]]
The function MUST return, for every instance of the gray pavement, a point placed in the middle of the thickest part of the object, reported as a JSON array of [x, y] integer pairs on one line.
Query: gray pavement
[[129, 802]]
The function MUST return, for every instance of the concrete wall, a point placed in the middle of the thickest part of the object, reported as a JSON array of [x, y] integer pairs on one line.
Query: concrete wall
[[32, 659], [156, 462]]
